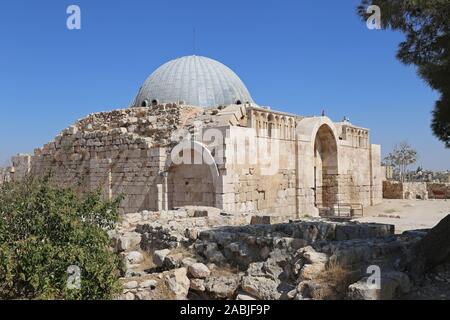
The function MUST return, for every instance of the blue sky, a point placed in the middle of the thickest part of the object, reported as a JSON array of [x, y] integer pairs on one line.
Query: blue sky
[[295, 56]]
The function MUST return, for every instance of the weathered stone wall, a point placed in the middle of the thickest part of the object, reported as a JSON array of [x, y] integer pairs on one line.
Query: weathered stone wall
[[259, 173], [329, 191], [392, 190], [415, 190], [122, 152], [438, 190], [360, 175], [190, 185], [269, 195], [376, 175], [21, 166]]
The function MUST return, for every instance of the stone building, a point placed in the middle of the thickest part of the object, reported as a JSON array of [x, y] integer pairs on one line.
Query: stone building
[[194, 136]]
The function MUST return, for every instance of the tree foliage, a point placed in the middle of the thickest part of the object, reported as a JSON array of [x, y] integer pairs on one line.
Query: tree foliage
[[44, 230], [401, 157], [426, 25]]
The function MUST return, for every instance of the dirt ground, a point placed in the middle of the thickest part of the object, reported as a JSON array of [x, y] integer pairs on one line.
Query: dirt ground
[[407, 214]]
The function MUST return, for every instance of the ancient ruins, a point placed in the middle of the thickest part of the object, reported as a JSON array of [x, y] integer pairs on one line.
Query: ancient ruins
[[194, 136], [227, 199]]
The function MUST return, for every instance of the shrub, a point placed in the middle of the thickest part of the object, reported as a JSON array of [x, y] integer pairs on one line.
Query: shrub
[[44, 230]]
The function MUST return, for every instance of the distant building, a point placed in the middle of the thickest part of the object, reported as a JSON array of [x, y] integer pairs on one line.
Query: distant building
[[388, 172]]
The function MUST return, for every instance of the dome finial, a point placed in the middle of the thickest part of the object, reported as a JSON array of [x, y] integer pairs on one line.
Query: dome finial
[[193, 42]]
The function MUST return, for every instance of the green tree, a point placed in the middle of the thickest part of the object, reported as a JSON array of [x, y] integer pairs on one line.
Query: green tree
[[401, 157], [44, 230], [426, 25]]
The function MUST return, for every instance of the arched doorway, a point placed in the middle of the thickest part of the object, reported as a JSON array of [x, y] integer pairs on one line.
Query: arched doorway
[[325, 168], [192, 175]]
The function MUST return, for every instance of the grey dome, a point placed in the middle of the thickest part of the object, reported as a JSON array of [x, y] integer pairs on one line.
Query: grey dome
[[194, 80]]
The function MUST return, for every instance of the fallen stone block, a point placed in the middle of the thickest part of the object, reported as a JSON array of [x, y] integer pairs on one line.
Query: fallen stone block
[[198, 285], [244, 297], [199, 271], [127, 241], [159, 256], [393, 285], [261, 287], [134, 257], [178, 283], [222, 287]]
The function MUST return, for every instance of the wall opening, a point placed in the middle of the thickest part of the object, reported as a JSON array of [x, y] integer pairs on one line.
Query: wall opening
[[271, 126], [325, 168], [190, 185]]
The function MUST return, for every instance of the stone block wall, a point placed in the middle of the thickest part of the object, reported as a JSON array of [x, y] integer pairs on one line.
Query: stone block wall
[[392, 190], [350, 192], [415, 190], [376, 175], [360, 176], [329, 192], [438, 190], [131, 169], [21, 166], [270, 195], [120, 152], [190, 185], [267, 195], [260, 178]]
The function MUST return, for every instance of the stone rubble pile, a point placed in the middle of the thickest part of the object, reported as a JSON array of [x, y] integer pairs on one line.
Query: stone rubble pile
[[222, 260], [154, 122], [245, 244]]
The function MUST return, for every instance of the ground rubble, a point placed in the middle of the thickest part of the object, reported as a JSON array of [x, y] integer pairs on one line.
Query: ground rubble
[[203, 253]]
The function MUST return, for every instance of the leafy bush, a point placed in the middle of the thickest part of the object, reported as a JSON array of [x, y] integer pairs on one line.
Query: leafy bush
[[44, 230]]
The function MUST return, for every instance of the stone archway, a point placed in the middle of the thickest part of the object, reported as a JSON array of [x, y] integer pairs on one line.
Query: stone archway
[[191, 176], [325, 168]]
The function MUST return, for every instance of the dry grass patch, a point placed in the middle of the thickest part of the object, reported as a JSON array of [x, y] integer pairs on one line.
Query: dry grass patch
[[183, 251], [334, 282]]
